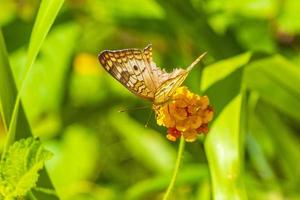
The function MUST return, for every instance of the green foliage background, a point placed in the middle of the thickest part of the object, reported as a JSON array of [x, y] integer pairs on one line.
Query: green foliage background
[[251, 74]]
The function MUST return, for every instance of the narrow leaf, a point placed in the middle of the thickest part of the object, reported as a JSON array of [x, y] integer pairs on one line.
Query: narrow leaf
[[223, 149], [45, 18], [7, 86], [221, 69]]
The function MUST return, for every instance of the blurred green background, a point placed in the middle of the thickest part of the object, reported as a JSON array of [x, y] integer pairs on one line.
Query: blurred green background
[[251, 74]]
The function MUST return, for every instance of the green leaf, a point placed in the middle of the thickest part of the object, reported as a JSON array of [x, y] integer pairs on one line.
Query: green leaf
[[221, 81], [13, 110], [223, 148], [13, 114], [220, 70], [8, 94], [20, 166], [286, 144], [276, 76], [7, 86], [45, 18], [254, 36], [288, 20], [54, 58]]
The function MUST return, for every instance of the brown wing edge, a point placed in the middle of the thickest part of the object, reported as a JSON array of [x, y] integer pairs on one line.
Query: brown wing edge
[[147, 51], [104, 59]]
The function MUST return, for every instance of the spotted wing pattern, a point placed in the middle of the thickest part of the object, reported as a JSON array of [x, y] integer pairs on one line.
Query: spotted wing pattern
[[133, 68]]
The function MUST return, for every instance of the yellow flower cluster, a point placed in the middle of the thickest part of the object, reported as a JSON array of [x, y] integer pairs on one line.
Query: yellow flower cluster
[[187, 114]]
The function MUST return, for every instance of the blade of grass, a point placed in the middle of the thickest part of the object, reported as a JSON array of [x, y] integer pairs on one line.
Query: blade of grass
[[6, 89], [8, 94], [47, 13], [45, 18], [223, 144], [223, 148]]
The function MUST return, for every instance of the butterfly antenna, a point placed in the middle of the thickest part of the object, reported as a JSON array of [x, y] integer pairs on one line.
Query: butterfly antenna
[[146, 125], [136, 108], [196, 62]]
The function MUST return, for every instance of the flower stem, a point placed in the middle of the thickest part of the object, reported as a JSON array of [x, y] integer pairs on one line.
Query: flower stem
[[176, 169]]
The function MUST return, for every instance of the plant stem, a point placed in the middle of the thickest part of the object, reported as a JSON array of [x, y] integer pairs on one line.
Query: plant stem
[[31, 196], [176, 169], [46, 191], [11, 133]]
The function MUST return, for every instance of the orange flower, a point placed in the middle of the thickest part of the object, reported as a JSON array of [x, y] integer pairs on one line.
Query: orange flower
[[187, 114]]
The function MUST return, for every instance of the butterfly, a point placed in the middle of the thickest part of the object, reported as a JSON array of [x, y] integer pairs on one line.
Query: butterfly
[[135, 69]]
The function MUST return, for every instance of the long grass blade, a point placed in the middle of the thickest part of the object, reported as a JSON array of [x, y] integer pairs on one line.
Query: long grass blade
[[45, 18]]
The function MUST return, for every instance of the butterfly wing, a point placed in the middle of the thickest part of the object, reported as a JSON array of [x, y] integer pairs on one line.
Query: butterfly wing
[[171, 81], [134, 69], [168, 87]]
